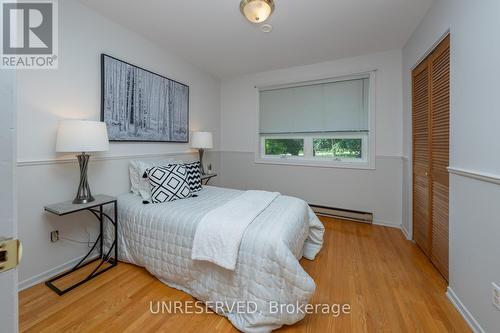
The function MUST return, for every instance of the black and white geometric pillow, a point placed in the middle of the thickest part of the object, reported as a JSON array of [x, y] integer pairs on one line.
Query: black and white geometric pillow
[[168, 183], [194, 176]]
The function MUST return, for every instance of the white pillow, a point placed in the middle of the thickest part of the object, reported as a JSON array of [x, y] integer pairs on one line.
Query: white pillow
[[134, 176], [137, 168]]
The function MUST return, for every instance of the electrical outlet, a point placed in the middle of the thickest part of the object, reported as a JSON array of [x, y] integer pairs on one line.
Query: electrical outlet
[[54, 236], [495, 295]]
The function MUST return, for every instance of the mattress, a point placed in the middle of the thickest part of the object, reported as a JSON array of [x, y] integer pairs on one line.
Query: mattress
[[159, 237]]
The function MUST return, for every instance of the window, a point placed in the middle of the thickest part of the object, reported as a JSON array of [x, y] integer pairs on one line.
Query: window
[[320, 123], [284, 147], [338, 148]]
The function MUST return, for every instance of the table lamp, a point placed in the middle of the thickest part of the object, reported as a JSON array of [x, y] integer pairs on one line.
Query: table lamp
[[85, 137], [202, 141]]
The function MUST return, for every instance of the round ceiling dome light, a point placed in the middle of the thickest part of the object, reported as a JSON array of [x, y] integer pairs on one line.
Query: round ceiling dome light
[[257, 11]]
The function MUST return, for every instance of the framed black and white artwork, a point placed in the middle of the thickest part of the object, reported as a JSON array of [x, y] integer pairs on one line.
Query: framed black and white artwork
[[139, 105]]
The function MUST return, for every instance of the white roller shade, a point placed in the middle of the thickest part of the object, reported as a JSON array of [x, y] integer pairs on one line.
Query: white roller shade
[[324, 107]]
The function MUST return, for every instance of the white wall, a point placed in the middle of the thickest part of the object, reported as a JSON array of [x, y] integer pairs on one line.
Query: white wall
[[378, 191], [475, 141], [73, 91]]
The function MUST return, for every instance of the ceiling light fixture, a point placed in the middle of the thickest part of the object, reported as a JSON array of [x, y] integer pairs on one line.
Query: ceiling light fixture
[[257, 11]]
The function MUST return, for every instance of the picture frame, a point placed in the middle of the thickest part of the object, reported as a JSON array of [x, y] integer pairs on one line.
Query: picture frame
[[139, 105]]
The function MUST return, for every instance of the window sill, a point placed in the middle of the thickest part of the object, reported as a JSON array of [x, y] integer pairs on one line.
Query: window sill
[[316, 164]]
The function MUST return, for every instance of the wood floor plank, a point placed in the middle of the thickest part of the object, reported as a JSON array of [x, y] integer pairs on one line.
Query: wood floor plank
[[387, 281]]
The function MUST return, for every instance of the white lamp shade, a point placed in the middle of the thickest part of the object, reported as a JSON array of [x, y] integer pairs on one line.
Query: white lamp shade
[[81, 136], [202, 140]]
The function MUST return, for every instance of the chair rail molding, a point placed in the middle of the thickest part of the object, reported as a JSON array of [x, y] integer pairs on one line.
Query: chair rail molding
[[475, 174], [104, 158]]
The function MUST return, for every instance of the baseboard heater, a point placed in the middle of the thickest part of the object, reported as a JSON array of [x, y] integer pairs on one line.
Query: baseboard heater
[[345, 214]]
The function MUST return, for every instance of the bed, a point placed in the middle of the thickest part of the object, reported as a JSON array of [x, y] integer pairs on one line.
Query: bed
[[160, 237]]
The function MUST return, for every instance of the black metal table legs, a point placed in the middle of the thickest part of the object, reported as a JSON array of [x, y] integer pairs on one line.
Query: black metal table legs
[[101, 216]]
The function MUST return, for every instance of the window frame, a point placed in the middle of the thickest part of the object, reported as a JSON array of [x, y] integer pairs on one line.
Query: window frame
[[368, 137], [308, 156]]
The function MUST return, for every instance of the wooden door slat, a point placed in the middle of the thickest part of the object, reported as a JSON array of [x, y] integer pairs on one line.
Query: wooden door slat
[[439, 64], [421, 105], [431, 142]]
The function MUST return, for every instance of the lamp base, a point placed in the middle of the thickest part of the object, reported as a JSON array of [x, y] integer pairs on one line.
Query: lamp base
[[201, 151], [83, 194], [78, 201]]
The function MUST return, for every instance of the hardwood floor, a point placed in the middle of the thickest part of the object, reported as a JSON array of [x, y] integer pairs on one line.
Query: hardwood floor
[[388, 282]]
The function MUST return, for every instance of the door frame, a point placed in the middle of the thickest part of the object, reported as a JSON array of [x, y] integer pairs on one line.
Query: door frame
[[9, 307]]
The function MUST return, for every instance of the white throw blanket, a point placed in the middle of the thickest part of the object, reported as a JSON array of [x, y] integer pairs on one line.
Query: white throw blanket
[[220, 231]]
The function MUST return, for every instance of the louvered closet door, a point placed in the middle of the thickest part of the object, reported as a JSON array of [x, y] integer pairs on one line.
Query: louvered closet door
[[421, 152], [439, 64]]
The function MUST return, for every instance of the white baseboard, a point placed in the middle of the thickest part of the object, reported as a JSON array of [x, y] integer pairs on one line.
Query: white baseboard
[[393, 225], [405, 232], [474, 325], [44, 276], [387, 224]]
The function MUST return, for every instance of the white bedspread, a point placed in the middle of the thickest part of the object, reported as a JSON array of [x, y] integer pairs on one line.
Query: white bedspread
[[160, 237], [219, 233]]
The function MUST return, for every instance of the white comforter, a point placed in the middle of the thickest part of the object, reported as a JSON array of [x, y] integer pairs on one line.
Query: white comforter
[[160, 237]]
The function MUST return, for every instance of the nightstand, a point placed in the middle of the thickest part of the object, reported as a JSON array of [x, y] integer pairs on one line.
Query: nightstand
[[205, 179], [96, 209]]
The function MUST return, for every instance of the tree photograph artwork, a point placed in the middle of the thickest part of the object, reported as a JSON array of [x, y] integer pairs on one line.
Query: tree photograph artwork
[[139, 105]]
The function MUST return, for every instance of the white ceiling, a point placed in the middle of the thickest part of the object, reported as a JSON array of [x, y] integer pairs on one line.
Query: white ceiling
[[215, 37]]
